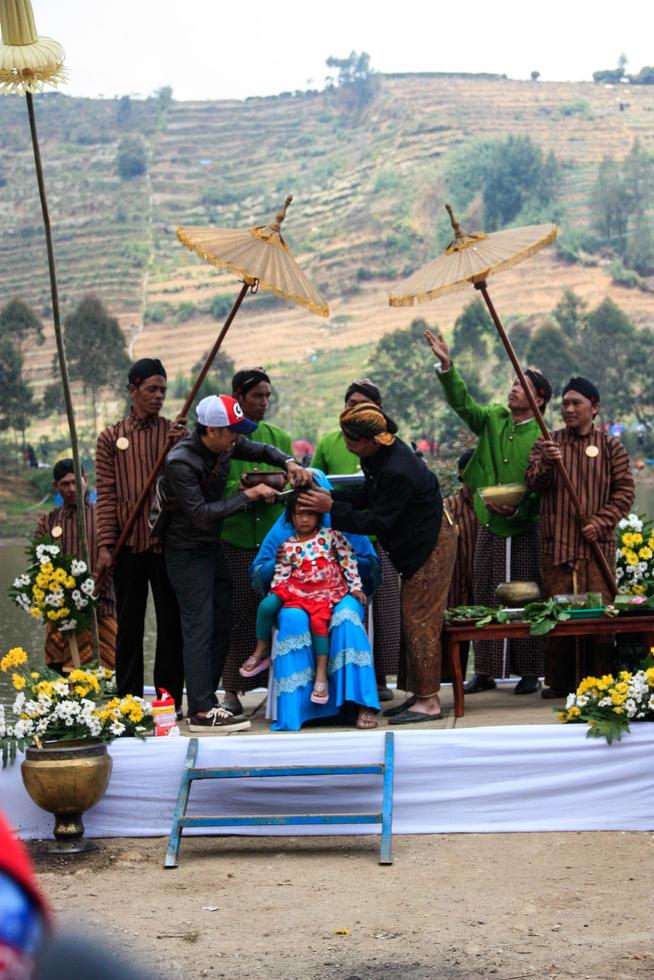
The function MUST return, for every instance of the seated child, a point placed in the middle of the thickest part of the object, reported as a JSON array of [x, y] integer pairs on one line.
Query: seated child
[[315, 568]]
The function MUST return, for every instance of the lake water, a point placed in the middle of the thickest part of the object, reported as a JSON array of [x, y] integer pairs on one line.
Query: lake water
[[19, 629]]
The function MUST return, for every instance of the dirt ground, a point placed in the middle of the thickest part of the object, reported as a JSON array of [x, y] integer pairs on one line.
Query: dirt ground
[[452, 906], [505, 906]]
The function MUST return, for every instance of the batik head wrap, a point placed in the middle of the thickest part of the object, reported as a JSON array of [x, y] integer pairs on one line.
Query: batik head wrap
[[248, 378], [585, 388], [367, 421], [147, 367], [365, 387]]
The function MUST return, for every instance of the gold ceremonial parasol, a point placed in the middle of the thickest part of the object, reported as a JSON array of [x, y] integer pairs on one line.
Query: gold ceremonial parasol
[[261, 259], [257, 255], [28, 62], [472, 259]]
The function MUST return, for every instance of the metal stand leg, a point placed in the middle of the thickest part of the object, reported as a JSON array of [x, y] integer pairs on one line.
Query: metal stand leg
[[180, 809], [385, 854]]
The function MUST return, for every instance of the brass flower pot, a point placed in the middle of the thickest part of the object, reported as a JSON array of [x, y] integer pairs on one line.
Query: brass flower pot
[[66, 778]]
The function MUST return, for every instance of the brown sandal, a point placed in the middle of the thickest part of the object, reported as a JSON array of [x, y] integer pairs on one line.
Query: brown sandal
[[366, 719]]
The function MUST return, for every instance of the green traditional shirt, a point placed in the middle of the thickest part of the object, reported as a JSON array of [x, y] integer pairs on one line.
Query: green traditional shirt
[[333, 456], [248, 528], [501, 454]]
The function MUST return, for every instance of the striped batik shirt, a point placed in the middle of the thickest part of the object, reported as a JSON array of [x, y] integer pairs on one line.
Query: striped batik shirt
[[459, 507], [599, 469], [121, 474], [66, 518]]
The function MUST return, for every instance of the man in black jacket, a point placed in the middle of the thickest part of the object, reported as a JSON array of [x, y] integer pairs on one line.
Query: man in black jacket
[[192, 486], [401, 504]]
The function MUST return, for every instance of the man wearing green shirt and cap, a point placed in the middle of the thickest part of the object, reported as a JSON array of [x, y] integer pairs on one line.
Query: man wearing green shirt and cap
[[243, 533], [333, 456], [507, 547]]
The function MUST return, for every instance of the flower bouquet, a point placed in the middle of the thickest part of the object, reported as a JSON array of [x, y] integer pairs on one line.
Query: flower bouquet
[[609, 703], [57, 589], [82, 705], [635, 556]]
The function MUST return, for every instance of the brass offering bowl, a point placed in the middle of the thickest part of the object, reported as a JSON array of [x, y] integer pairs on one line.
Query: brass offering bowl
[[271, 478], [503, 495], [517, 593]]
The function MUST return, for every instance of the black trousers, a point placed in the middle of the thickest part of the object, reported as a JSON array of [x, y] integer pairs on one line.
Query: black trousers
[[133, 574], [203, 588]]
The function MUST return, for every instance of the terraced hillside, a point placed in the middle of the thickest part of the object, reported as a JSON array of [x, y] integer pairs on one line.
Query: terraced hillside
[[367, 210]]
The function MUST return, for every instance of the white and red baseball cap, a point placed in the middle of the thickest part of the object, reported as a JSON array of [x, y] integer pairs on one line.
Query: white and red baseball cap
[[224, 412]]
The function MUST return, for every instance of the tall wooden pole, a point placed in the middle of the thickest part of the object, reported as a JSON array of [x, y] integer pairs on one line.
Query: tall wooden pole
[[563, 473], [63, 364]]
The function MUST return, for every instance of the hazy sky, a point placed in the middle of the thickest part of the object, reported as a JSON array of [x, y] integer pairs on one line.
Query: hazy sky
[[213, 49]]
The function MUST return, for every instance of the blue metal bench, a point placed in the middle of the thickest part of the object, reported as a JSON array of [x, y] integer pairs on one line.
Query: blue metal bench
[[191, 772]]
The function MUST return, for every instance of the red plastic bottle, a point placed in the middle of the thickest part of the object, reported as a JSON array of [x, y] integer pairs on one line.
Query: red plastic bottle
[[163, 711]]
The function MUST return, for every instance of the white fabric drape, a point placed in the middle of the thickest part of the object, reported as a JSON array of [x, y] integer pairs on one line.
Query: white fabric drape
[[476, 780]]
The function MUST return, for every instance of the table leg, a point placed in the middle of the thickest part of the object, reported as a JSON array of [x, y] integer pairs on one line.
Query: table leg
[[648, 642], [454, 649]]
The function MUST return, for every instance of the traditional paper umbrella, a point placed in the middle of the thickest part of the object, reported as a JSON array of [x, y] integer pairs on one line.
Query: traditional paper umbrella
[[28, 62], [261, 259], [472, 259]]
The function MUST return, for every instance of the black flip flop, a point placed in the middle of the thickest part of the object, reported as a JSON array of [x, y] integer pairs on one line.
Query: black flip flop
[[399, 708], [413, 717]]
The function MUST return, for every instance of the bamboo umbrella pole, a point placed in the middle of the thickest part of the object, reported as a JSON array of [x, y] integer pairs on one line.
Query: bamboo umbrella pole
[[145, 493], [576, 503], [61, 355]]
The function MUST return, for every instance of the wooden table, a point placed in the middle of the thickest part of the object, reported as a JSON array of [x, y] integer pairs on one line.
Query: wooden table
[[453, 636]]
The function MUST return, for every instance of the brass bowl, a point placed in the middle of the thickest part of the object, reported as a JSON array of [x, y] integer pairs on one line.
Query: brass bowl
[[66, 778], [517, 593], [503, 495], [270, 478]]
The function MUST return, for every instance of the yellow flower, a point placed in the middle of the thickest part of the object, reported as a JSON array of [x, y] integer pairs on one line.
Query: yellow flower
[[45, 687], [13, 658], [84, 677], [18, 681], [70, 582], [627, 539], [36, 612], [617, 710], [52, 615], [637, 538], [81, 690], [639, 589], [618, 698], [631, 557], [34, 675], [574, 712], [645, 553]]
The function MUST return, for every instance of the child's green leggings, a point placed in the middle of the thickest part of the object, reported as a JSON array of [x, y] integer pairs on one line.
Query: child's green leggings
[[268, 609]]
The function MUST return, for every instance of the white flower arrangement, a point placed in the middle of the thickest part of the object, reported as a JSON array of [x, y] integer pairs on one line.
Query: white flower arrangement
[[635, 556], [608, 704], [81, 705], [53, 587]]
